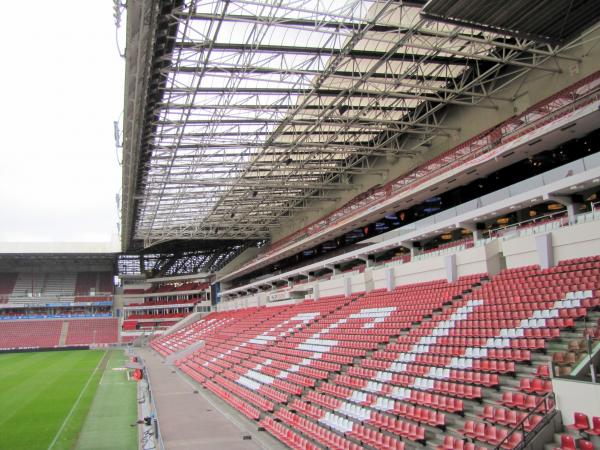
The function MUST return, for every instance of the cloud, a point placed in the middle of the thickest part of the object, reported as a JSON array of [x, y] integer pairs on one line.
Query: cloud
[[62, 84]]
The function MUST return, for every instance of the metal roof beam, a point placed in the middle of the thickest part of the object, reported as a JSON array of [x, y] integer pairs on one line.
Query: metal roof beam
[[315, 25], [250, 183], [324, 92], [251, 70], [475, 37], [324, 113], [242, 144], [260, 107], [293, 50]]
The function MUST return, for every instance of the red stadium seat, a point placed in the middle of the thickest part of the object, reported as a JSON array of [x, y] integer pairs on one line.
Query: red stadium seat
[[567, 442], [581, 423], [595, 426]]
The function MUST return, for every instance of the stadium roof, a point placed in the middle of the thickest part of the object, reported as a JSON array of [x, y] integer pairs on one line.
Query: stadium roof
[[60, 248], [238, 113]]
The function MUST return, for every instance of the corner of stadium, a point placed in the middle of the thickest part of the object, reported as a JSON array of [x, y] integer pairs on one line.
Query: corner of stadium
[[344, 225]]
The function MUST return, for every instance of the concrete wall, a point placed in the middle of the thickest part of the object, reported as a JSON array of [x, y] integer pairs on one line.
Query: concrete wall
[[468, 262], [575, 241], [495, 261], [291, 301], [260, 299], [244, 302], [358, 283], [475, 260], [378, 277], [570, 242], [420, 271], [580, 396], [520, 251], [331, 287]]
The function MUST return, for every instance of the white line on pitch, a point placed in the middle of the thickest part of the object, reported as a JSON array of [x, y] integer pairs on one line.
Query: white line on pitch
[[104, 372], [58, 433]]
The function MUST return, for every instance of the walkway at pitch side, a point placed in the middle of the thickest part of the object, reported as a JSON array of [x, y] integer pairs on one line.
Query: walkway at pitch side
[[198, 421]]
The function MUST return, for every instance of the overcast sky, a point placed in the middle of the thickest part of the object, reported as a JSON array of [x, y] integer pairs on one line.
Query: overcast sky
[[62, 83]]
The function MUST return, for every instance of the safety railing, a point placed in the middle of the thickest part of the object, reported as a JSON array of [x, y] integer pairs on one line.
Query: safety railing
[[558, 217], [155, 424], [545, 405]]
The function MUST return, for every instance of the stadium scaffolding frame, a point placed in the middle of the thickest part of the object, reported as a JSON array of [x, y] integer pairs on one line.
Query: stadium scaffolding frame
[[253, 109]]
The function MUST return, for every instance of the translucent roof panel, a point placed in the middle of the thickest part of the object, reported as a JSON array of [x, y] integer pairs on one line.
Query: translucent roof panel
[[255, 108]]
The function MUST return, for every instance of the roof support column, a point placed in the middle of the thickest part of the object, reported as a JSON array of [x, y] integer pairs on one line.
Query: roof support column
[[568, 202], [409, 245], [334, 268], [310, 276], [450, 267], [316, 291], [390, 279], [368, 261], [348, 286], [472, 226]]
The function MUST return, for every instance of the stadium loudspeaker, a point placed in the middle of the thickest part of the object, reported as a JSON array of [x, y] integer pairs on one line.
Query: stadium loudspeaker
[[480, 226]]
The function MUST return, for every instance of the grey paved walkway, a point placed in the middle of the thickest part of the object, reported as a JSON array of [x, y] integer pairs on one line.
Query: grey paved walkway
[[198, 421]]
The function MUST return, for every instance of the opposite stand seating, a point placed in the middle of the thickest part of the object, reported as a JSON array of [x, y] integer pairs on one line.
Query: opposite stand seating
[[93, 331], [20, 334]]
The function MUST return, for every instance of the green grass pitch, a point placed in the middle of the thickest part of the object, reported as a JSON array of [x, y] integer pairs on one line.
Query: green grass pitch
[[46, 397]]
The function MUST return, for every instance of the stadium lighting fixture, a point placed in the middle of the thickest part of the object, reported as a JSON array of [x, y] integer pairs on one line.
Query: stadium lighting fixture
[[117, 134], [117, 8]]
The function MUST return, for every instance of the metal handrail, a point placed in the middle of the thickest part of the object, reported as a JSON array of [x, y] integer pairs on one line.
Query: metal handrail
[[158, 437], [528, 436], [557, 214], [524, 222]]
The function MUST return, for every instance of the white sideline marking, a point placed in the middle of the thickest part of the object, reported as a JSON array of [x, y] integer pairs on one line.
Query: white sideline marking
[[104, 373], [58, 433]]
